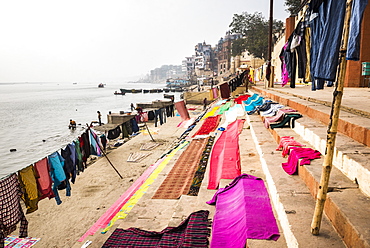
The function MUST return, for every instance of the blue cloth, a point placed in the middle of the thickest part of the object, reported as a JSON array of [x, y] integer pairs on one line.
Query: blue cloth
[[56, 162], [331, 19], [353, 49], [135, 127], [95, 149]]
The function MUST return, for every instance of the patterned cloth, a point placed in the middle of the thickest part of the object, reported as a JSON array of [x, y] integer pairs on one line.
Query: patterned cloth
[[11, 212], [193, 232]]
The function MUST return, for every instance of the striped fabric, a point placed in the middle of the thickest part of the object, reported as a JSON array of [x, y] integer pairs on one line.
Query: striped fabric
[[192, 233]]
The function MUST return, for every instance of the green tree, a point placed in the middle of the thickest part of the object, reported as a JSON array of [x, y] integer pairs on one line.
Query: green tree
[[293, 6], [254, 28], [238, 47]]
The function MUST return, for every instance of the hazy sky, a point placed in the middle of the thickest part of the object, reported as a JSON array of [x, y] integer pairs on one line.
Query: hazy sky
[[91, 41]]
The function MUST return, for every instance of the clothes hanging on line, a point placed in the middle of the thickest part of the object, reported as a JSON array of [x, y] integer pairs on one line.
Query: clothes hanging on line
[[28, 183], [11, 212]]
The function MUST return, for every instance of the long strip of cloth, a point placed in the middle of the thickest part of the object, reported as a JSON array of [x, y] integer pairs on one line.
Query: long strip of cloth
[[225, 157], [199, 173], [243, 211], [193, 232], [209, 125], [179, 180], [126, 209]]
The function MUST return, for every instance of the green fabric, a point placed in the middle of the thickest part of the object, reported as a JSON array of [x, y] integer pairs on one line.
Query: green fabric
[[80, 166], [224, 108]]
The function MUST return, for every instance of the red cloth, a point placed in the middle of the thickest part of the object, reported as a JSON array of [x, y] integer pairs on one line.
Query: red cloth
[[225, 91], [209, 125], [43, 179], [286, 142], [225, 157], [242, 98], [183, 111]]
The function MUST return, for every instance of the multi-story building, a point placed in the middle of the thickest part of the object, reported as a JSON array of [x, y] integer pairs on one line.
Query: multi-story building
[[223, 51]]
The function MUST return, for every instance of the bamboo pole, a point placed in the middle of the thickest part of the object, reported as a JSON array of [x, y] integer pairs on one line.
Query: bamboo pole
[[332, 127], [105, 155]]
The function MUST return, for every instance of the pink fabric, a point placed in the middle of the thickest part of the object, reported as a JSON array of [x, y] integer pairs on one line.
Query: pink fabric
[[113, 210], [225, 157], [182, 110], [187, 123], [267, 120], [215, 92], [279, 116], [43, 179], [225, 91], [305, 154], [285, 143], [243, 211]]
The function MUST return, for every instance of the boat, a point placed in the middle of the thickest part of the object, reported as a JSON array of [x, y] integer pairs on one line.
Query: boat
[[125, 90], [168, 96], [119, 93], [100, 85]]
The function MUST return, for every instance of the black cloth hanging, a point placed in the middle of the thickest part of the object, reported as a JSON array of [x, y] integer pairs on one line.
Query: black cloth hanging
[[114, 133]]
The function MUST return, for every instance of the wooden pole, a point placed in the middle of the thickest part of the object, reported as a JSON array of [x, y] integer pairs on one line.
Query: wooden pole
[[149, 133], [270, 82], [105, 155], [332, 127]]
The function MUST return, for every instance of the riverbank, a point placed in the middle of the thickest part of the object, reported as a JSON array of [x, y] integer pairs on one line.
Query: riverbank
[[97, 188]]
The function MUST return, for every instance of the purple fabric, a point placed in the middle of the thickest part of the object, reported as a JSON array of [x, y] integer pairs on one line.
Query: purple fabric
[[296, 153], [243, 211]]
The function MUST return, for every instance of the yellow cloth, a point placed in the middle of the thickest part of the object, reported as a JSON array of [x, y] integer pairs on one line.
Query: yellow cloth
[[28, 183], [125, 210], [211, 113]]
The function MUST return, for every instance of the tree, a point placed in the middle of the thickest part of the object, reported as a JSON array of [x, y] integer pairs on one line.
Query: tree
[[254, 29], [238, 47], [293, 6]]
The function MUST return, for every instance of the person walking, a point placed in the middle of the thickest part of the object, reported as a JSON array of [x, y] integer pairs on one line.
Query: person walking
[[99, 117], [204, 103]]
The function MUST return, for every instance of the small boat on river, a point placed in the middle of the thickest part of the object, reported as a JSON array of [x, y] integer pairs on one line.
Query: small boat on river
[[119, 93], [101, 85]]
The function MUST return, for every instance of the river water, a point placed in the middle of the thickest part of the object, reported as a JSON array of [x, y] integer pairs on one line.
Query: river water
[[35, 116]]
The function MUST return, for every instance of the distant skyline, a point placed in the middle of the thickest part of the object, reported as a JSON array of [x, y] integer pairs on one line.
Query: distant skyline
[[110, 41]]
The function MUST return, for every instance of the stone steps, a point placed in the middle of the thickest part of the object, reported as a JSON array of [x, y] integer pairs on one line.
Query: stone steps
[[293, 204], [348, 199]]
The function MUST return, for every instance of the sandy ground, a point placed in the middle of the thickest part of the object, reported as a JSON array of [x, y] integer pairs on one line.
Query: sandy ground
[[96, 189]]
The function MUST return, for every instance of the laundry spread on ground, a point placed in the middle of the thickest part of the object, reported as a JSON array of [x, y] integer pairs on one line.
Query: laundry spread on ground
[[299, 156], [287, 142], [209, 125], [192, 232], [243, 211], [179, 179], [202, 166], [225, 157], [16, 242]]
